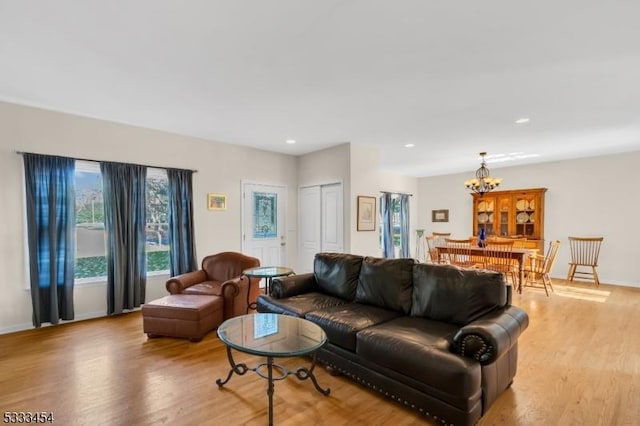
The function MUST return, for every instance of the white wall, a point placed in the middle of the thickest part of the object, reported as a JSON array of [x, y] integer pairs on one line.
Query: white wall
[[220, 167], [586, 197]]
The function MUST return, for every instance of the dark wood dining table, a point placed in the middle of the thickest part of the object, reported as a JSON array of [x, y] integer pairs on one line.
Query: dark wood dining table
[[518, 254]]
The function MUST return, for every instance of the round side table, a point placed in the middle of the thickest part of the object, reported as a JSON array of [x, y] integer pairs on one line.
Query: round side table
[[268, 273]]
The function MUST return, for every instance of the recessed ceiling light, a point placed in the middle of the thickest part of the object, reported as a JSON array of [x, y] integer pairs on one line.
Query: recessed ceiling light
[[290, 141], [409, 145], [523, 120]]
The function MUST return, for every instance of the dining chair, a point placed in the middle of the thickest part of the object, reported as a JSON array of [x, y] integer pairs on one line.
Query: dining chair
[[459, 253], [434, 257], [538, 270], [584, 253], [498, 257]]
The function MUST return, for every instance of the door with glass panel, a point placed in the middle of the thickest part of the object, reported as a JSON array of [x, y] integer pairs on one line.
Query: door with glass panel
[[263, 230]]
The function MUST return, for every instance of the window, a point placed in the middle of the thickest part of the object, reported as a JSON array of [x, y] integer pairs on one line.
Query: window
[[394, 225], [91, 244], [395, 221], [90, 233], [265, 215], [157, 231]]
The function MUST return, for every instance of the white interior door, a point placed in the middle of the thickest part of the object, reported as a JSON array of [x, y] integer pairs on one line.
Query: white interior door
[[320, 223], [309, 227], [332, 223], [263, 230]]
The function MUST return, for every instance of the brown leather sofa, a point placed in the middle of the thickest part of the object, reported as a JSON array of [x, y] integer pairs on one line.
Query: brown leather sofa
[[437, 338], [221, 275]]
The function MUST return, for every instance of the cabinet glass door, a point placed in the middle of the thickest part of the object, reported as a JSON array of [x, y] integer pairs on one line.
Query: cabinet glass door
[[485, 215], [504, 212], [525, 216]]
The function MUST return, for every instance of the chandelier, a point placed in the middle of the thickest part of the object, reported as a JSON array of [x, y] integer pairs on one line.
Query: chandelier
[[483, 182]]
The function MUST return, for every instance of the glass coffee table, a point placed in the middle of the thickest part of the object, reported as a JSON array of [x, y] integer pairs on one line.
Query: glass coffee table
[[272, 336]]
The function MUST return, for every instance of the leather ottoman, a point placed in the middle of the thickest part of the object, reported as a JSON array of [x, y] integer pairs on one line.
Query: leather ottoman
[[182, 315]]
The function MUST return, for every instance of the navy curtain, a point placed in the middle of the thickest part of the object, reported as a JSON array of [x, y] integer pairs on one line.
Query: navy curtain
[[50, 196], [182, 252], [404, 225], [386, 213], [125, 223]]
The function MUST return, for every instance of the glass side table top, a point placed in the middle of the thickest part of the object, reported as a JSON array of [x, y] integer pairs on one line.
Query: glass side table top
[[272, 335], [267, 272]]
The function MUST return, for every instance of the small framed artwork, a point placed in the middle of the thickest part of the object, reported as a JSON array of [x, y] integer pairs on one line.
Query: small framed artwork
[[366, 213], [439, 215], [217, 201]]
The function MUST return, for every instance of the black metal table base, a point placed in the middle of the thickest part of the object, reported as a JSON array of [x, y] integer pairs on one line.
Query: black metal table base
[[301, 373], [267, 291]]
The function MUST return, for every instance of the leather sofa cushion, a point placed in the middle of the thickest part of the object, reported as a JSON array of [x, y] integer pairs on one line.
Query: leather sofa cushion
[[297, 305], [337, 274], [386, 283], [419, 348], [341, 323], [455, 295]]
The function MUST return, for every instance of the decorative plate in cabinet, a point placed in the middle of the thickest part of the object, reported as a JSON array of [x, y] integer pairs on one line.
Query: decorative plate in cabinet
[[522, 217]]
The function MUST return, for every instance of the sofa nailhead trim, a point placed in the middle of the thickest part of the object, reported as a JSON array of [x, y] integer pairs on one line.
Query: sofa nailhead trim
[[380, 390]]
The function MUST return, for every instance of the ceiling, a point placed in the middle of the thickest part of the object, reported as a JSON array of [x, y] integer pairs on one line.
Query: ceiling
[[450, 77]]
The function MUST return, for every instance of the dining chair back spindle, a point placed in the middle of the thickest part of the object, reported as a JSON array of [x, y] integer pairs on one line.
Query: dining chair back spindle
[[459, 253], [584, 253]]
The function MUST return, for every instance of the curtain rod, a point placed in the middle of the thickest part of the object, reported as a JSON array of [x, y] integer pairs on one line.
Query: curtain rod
[[105, 161], [396, 192]]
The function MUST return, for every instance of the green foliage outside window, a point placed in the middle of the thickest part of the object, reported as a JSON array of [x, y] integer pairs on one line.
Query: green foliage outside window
[[96, 266]]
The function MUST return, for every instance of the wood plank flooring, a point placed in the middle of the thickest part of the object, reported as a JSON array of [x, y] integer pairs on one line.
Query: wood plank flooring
[[579, 365]]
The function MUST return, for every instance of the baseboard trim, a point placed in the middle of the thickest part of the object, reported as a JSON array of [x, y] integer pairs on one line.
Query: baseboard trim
[[79, 317], [620, 283], [602, 281]]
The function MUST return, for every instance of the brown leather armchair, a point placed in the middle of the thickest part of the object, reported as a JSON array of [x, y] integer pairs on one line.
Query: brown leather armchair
[[221, 275]]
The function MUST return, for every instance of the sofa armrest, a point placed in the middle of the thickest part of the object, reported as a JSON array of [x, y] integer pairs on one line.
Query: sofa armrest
[[177, 284], [491, 336], [293, 285]]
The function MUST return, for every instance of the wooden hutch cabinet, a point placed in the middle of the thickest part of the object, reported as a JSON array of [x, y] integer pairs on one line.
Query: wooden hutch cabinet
[[515, 213]]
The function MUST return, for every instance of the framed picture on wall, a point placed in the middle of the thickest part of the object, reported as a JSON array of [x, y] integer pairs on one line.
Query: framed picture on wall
[[439, 215], [366, 213], [217, 201]]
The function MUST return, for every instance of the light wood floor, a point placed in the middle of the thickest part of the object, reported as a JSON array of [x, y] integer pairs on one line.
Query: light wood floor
[[579, 365]]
